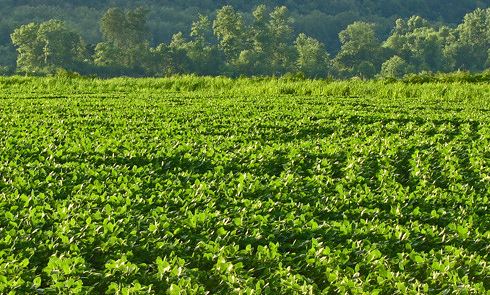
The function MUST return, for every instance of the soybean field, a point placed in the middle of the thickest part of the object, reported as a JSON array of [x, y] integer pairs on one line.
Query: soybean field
[[191, 185]]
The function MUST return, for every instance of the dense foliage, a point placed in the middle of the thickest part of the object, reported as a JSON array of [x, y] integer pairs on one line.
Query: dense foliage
[[250, 38], [220, 186], [320, 19]]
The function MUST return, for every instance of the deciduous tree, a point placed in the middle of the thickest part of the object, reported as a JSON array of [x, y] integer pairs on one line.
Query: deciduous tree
[[361, 53], [280, 27], [229, 28], [205, 57], [44, 47], [471, 41], [420, 44], [395, 67], [125, 38], [312, 58]]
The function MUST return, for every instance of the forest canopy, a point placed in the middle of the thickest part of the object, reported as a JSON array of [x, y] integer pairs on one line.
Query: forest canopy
[[338, 38]]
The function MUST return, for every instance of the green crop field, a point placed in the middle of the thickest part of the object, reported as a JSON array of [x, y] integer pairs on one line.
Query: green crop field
[[249, 186]]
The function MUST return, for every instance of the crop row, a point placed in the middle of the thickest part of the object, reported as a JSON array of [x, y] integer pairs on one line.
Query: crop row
[[194, 192]]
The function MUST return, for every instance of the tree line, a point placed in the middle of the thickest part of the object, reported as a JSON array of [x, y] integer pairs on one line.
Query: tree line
[[263, 42]]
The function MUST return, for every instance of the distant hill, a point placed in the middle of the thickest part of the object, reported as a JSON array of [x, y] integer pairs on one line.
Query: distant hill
[[321, 19]]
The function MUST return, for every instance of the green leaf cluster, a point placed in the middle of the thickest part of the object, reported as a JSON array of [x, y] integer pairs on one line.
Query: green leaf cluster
[[191, 185]]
